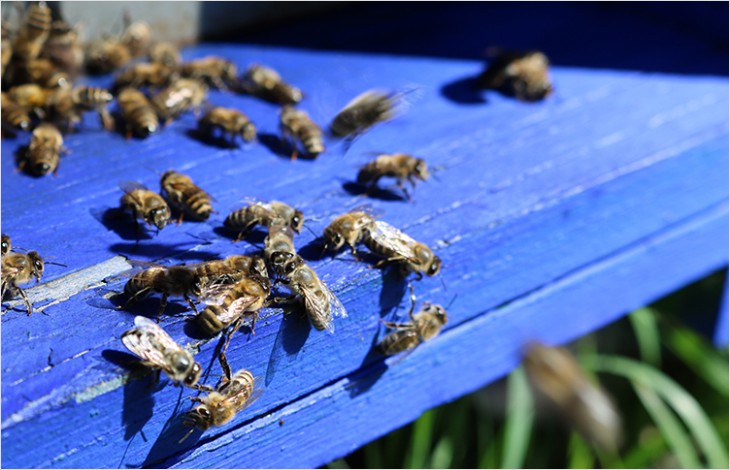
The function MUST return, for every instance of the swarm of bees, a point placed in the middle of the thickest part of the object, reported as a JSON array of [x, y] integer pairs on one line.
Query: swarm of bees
[[40, 61]]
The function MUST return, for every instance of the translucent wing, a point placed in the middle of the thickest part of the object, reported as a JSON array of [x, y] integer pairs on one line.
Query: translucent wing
[[239, 307], [392, 240], [150, 342], [129, 186], [322, 305]]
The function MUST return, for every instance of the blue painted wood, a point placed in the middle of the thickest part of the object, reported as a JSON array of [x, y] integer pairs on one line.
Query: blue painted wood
[[600, 197], [722, 327]]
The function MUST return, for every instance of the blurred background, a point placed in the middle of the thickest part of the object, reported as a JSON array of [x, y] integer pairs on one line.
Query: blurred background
[[668, 379]]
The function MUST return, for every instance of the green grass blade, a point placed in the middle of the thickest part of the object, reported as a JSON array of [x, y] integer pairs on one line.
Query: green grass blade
[[646, 330], [339, 464], [579, 453], [443, 453], [519, 420], [708, 363], [373, 455], [669, 425], [677, 397], [485, 438], [421, 440], [647, 452]]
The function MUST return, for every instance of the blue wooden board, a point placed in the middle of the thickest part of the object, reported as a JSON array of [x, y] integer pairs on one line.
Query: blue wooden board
[[552, 219]]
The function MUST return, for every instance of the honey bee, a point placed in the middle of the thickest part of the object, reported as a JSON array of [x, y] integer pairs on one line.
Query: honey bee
[[45, 73], [20, 268], [30, 96], [13, 115], [144, 74], [521, 75], [214, 71], [231, 397], [554, 373], [424, 325], [267, 84], [44, 151], [33, 32], [265, 214], [6, 244], [363, 112], [400, 166], [63, 48], [319, 302], [165, 53], [105, 55], [230, 270], [297, 126], [395, 246], [243, 299], [182, 194], [182, 95], [7, 46], [66, 106], [137, 36], [160, 352], [174, 280], [138, 113], [348, 229], [229, 121], [279, 246], [145, 204]]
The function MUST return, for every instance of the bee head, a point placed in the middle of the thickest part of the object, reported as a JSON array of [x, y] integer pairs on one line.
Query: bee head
[[333, 238], [195, 371], [297, 221], [229, 71], [259, 268], [434, 267], [6, 244], [145, 131], [421, 169], [36, 264], [438, 312], [199, 417], [159, 217], [248, 132]]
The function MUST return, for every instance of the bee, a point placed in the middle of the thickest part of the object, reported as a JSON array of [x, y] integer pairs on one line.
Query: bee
[[266, 214], [231, 397], [105, 55], [521, 75], [173, 280], [348, 229], [13, 115], [554, 373], [424, 325], [144, 74], [267, 84], [395, 246], [186, 197], [229, 121], [6, 244], [137, 36], [230, 270], [297, 126], [243, 299], [20, 268], [214, 71], [7, 46], [137, 112], [33, 32], [44, 151], [30, 96], [45, 73], [65, 106], [165, 53], [363, 112], [145, 204], [160, 352], [63, 48], [319, 302], [279, 247], [182, 95], [400, 166]]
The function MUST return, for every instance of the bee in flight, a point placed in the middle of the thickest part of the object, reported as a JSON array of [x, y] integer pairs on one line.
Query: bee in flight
[[363, 112], [404, 168], [555, 374], [160, 352]]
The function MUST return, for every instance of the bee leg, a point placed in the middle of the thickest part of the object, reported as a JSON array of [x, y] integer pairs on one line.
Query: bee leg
[[180, 219], [397, 326], [25, 299], [354, 253], [190, 302], [196, 399], [413, 300], [163, 304], [405, 190], [294, 154], [107, 122], [203, 388], [222, 357]]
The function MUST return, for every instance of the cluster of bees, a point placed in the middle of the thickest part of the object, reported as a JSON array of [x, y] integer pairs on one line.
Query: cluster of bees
[[40, 60]]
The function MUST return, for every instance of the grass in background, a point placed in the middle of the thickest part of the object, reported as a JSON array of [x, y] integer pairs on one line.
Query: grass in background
[[669, 382]]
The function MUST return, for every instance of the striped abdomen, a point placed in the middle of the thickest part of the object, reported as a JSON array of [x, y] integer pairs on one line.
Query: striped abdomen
[[137, 112], [92, 97], [33, 33]]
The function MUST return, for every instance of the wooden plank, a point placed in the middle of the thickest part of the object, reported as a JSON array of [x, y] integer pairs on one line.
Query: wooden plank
[[527, 195]]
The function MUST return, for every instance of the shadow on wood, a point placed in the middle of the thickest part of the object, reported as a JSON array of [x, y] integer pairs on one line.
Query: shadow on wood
[[293, 333], [463, 91]]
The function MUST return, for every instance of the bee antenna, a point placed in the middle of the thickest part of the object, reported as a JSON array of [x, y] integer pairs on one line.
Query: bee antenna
[[153, 170], [186, 435], [443, 283], [54, 264], [310, 230], [452, 301]]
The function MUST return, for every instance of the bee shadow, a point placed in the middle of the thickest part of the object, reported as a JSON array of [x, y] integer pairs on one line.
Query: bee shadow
[[373, 367], [121, 223], [220, 140], [255, 237], [161, 250], [21, 154], [281, 148], [293, 332], [464, 91], [374, 192], [314, 250], [394, 289]]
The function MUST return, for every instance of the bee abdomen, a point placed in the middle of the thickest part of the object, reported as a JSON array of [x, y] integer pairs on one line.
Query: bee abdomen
[[198, 202], [398, 342], [93, 96], [208, 320]]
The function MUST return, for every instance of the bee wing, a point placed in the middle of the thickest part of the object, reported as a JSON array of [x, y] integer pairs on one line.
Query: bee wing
[[393, 239], [129, 186], [150, 342], [237, 308]]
